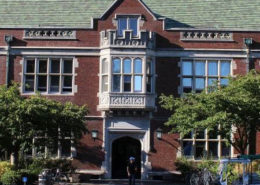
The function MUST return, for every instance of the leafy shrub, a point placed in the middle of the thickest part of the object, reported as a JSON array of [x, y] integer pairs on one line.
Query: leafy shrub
[[212, 166], [184, 165], [4, 166], [10, 177]]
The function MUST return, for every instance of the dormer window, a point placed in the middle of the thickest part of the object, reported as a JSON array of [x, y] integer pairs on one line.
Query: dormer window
[[127, 23]]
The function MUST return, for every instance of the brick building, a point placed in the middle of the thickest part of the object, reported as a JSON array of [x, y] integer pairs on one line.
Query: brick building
[[118, 56]]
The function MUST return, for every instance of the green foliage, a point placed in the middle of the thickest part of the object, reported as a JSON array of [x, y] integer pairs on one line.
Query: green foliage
[[212, 166], [184, 165], [4, 166], [21, 119], [237, 106], [10, 177]]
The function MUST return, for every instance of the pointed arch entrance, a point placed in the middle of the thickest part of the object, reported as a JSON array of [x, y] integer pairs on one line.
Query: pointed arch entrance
[[122, 149]]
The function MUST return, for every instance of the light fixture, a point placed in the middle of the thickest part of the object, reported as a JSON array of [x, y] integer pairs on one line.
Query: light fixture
[[159, 133], [94, 134], [248, 41]]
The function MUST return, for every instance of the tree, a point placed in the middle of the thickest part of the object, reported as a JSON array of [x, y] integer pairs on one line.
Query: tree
[[235, 108], [23, 119]]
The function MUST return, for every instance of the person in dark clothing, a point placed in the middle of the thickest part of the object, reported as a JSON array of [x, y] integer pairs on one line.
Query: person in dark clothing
[[131, 170]]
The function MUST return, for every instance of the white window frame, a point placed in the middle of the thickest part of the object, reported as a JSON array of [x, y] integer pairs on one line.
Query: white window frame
[[59, 153], [219, 140], [61, 75], [206, 139]]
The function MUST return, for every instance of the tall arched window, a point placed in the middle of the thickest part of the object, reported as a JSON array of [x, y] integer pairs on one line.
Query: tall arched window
[[116, 65], [138, 75], [127, 71], [104, 74]]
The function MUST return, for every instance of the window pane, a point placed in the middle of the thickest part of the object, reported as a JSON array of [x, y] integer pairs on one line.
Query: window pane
[[225, 150], [138, 83], [199, 151], [149, 84], [187, 82], [42, 66], [187, 148], [30, 66], [200, 134], [55, 83], [224, 81], [122, 25], [188, 136], [55, 66], [127, 65], [187, 68], [65, 147], [200, 83], [116, 83], [213, 150], [187, 85], [127, 83], [52, 148], [116, 65], [212, 81], [67, 84], [104, 66], [213, 134], [29, 83], [133, 25], [200, 68], [213, 68], [138, 66], [67, 68], [225, 68], [104, 83], [42, 83]]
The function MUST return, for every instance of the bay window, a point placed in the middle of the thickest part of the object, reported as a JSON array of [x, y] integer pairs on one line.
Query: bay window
[[129, 72], [48, 75]]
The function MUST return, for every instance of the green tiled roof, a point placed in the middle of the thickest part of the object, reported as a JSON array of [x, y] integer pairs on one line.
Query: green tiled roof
[[221, 14]]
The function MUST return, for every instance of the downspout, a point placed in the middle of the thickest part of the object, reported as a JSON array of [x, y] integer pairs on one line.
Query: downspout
[[8, 40]]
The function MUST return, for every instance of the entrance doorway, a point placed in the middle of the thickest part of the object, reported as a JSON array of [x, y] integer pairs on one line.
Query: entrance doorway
[[122, 149]]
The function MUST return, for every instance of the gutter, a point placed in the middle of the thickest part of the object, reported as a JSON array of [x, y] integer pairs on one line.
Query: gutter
[[8, 40]]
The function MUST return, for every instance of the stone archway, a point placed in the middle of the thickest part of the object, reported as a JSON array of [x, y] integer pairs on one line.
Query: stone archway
[[122, 149]]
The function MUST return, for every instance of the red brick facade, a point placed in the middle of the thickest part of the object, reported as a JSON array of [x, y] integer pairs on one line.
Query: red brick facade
[[90, 153]]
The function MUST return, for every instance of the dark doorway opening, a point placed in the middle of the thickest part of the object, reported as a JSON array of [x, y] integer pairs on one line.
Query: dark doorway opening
[[122, 149]]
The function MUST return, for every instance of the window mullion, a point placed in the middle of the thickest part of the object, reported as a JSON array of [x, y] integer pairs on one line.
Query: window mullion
[[61, 75], [121, 75], [48, 75], [36, 62], [132, 75]]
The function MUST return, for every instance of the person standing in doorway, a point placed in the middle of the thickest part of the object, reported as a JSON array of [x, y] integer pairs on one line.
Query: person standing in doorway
[[131, 170]]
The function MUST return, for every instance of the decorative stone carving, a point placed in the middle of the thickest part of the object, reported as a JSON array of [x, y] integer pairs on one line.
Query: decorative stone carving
[[206, 36], [110, 38], [49, 34], [119, 100]]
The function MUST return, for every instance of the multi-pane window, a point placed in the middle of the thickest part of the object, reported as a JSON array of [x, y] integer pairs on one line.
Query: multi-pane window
[[48, 75], [200, 74], [127, 23], [197, 75], [127, 75], [204, 144], [52, 147]]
